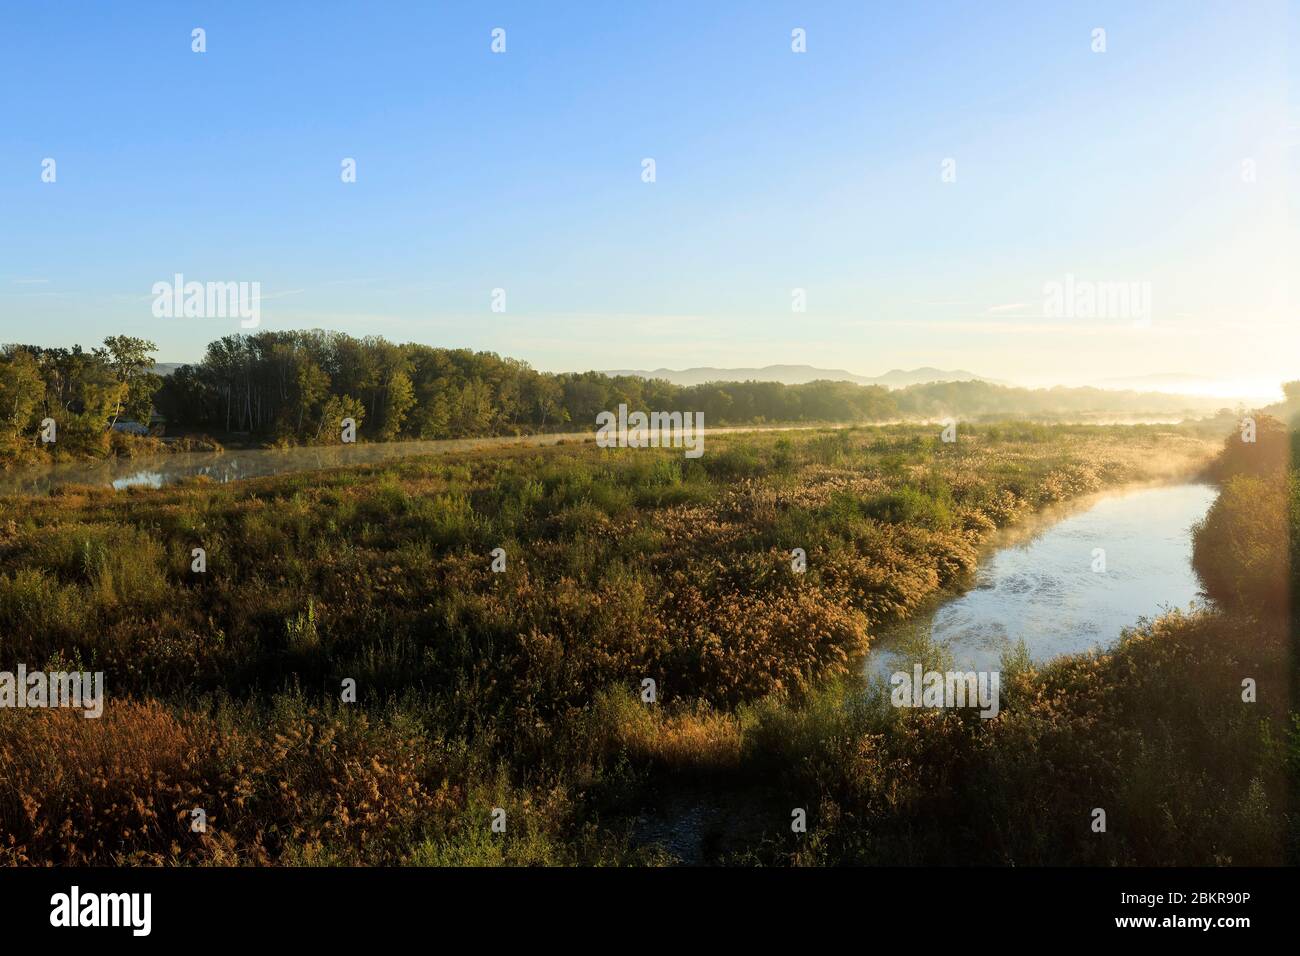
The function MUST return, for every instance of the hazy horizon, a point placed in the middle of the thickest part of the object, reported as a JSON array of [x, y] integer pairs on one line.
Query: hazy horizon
[[1171, 383]]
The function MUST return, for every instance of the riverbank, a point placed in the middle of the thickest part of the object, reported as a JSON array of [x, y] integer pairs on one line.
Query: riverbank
[[1179, 746], [126, 460], [154, 463]]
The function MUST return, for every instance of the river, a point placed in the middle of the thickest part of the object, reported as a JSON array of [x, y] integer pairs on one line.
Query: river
[[1038, 584]]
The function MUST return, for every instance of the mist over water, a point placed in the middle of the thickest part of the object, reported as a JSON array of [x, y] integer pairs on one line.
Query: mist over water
[[235, 465], [1039, 586], [232, 465]]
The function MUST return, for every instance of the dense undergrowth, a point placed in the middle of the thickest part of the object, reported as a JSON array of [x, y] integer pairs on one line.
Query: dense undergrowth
[[519, 689]]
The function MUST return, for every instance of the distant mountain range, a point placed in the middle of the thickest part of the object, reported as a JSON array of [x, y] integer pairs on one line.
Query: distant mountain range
[[801, 374]]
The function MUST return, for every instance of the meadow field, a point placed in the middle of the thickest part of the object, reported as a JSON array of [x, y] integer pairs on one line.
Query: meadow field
[[499, 613]]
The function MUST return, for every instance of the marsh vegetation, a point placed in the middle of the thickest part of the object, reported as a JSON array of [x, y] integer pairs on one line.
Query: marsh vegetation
[[521, 689]]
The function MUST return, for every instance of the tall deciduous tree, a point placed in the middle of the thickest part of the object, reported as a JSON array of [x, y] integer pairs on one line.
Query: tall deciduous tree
[[131, 360]]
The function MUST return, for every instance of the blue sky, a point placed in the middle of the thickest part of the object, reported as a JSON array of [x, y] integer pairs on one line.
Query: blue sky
[[775, 171]]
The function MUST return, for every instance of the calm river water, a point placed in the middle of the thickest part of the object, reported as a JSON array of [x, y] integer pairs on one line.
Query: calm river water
[[1039, 586]]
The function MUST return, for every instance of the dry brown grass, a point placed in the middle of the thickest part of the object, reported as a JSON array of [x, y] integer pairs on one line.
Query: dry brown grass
[[120, 788]]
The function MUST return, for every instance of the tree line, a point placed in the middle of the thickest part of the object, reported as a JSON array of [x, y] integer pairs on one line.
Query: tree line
[[297, 387]]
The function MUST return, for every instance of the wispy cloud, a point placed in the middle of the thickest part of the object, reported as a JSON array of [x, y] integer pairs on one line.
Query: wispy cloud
[[1040, 325], [356, 281]]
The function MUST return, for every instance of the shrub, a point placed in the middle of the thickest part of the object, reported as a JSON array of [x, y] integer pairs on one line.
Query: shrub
[[910, 506], [1240, 548]]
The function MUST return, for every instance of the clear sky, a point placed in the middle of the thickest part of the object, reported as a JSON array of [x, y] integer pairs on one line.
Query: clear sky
[[775, 170]]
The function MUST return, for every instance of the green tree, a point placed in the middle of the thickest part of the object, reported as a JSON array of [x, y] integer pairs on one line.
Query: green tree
[[312, 387], [398, 400], [472, 411], [333, 412], [131, 360], [21, 392]]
